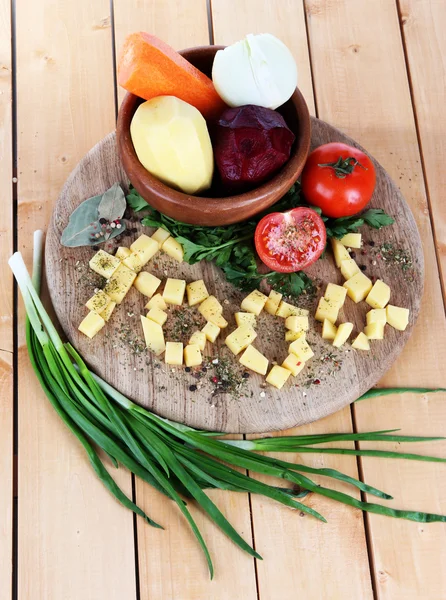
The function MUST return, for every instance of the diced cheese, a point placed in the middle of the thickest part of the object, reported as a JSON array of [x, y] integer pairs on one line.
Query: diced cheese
[[397, 317], [240, 338], [379, 295], [358, 287], [146, 247], [297, 323], [328, 330], [272, 304], [192, 355], [211, 331], [160, 236], [326, 309], [361, 342], [107, 312], [196, 292], [122, 252], [156, 301], [133, 261], [351, 240], [349, 268], [98, 302], [254, 360], [174, 291], [153, 335], [254, 302], [146, 283], [342, 334], [211, 310], [335, 294], [301, 349], [198, 338], [288, 310], [293, 364], [119, 283], [245, 318], [290, 336], [157, 315], [340, 252], [174, 353], [375, 331], [278, 376], [91, 325], [104, 264], [174, 249], [376, 315]]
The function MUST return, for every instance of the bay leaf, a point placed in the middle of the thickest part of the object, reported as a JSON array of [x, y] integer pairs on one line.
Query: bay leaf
[[113, 204]]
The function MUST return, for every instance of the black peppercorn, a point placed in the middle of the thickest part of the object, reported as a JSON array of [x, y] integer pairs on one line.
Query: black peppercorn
[[192, 388]]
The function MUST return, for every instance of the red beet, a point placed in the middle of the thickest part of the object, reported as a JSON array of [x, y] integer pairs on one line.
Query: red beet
[[251, 143]]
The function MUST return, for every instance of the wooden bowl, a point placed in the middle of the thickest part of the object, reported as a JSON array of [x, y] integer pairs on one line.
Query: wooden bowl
[[214, 210]]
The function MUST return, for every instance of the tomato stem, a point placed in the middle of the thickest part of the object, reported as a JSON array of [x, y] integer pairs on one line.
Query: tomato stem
[[343, 166]]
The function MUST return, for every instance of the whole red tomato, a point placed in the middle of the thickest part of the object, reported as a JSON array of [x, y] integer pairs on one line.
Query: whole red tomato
[[290, 241], [339, 179]]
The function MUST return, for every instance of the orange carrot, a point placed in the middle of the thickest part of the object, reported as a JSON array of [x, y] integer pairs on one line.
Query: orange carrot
[[148, 67]]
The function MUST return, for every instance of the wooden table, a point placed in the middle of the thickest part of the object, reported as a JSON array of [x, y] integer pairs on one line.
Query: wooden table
[[376, 70]]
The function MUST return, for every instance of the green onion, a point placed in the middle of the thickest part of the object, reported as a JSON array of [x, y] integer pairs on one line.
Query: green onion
[[374, 392]]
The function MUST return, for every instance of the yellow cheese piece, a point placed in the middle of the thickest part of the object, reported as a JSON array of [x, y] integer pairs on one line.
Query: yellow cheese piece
[[122, 252], [211, 310], [107, 312], [342, 334], [358, 287], [379, 295], [278, 376], [361, 342], [297, 323], [328, 330], [146, 247], [290, 336], [153, 335], [376, 315], [245, 318], [288, 310], [351, 240], [196, 292], [198, 338], [374, 331], [119, 283], [133, 261], [98, 302], [254, 302], [104, 264], [156, 301], [254, 360], [349, 268], [340, 252], [293, 364], [192, 355], [147, 284], [157, 315], [160, 236], [174, 353], [301, 349], [397, 317], [211, 331], [173, 249], [240, 338], [174, 291], [91, 325], [326, 309], [272, 304], [335, 294]]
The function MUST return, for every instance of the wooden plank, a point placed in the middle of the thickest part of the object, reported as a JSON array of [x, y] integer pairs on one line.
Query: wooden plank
[[362, 86], [295, 549], [74, 540], [171, 565], [423, 31]]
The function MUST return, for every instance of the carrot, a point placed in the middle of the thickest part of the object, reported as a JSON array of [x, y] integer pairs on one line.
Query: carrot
[[148, 67]]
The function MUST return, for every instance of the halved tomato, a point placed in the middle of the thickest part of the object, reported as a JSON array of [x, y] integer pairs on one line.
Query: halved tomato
[[290, 241]]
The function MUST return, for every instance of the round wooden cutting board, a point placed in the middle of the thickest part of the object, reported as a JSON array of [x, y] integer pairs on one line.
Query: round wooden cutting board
[[331, 380]]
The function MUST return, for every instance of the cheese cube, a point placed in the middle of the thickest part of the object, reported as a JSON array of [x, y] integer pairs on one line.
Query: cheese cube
[[272, 304], [98, 302], [156, 301], [174, 353], [297, 323], [107, 312], [133, 261], [349, 268], [374, 331], [211, 331], [92, 324], [160, 236], [174, 291], [351, 240], [254, 302], [376, 315], [379, 295], [397, 317], [326, 309], [153, 335], [192, 355], [328, 330], [146, 247], [174, 249], [119, 283], [147, 284], [196, 292], [104, 264], [340, 252], [290, 336], [301, 349], [198, 338], [293, 364], [157, 315], [342, 334], [122, 252], [278, 376], [335, 294], [244, 318], [288, 310], [240, 338], [358, 287], [361, 342], [254, 360], [211, 310]]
